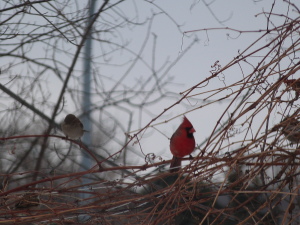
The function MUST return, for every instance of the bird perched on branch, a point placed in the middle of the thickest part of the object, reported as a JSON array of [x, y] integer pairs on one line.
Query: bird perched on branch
[[72, 127], [28, 200], [290, 127], [294, 84], [182, 143]]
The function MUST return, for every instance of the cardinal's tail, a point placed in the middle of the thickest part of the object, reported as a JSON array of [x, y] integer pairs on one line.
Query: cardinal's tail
[[175, 164]]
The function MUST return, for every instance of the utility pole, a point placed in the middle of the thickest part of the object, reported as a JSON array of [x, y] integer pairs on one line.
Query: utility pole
[[86, 101], [86, 106]]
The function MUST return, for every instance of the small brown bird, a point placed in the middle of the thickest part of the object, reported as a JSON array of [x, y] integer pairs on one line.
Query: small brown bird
[[294, 84], [28, 200], [291, 129], [72, 127], [182, 143]]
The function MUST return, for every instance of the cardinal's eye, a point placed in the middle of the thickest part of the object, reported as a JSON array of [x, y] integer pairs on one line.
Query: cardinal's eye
[[189, 132], [189, 129]]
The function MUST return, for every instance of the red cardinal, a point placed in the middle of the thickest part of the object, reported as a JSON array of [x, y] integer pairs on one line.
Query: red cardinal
[[182, 143]]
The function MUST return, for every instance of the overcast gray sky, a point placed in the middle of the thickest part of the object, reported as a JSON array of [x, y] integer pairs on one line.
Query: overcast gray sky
[[177, 25]]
